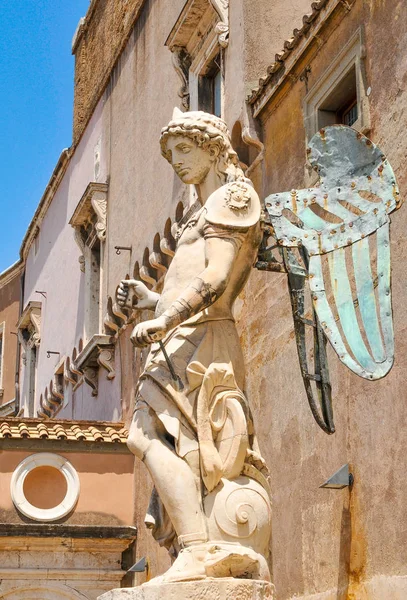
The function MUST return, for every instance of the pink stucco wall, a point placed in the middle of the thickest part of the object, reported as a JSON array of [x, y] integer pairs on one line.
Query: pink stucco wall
[[55, 271]]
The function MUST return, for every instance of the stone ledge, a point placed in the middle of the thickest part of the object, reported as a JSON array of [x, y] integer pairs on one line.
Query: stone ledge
[[67, 531], [208, 589]]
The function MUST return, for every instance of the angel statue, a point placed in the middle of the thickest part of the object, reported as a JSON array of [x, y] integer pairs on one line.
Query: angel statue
[[192, 423]]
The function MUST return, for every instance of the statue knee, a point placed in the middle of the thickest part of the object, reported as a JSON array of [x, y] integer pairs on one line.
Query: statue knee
[[137, 442], [142, 432]]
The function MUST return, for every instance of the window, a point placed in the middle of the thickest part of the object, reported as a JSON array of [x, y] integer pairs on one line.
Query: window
[[341, 105], [210, 88], [89, 223], [340, 95], [198, 39], [29, 333], [92, 287]]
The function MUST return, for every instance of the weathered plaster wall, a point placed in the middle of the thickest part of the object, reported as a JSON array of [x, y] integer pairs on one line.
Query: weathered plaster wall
[[103, 479], [258, 29], [9, 312], [99, 41], [334, 544]]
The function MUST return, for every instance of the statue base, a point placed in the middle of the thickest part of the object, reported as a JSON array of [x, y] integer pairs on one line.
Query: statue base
[[210, 589]]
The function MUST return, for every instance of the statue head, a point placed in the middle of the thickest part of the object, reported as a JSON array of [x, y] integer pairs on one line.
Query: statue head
[[195, 142]]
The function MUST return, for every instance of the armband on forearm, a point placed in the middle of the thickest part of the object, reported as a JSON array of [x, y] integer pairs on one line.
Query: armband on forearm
[[197, 296]]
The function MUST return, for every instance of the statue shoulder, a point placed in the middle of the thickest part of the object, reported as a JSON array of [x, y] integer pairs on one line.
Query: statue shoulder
[[234, 205]]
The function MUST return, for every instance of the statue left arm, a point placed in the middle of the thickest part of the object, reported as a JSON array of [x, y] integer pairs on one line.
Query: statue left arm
[[221, 249]]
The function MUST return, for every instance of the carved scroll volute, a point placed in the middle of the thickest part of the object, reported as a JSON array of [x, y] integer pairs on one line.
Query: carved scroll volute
[[182, 61], [99, 205], [222, 28], [106, 360], [79, 240], [90, 375]]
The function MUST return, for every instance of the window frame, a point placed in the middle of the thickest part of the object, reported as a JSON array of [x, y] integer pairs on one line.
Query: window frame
[[350, 57]]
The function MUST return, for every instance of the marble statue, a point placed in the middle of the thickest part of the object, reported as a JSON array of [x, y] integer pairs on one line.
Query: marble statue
[[192, 423]]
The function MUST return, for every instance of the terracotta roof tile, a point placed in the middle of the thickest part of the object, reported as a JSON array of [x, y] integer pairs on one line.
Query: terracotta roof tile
[[73, 431], [289, 46]]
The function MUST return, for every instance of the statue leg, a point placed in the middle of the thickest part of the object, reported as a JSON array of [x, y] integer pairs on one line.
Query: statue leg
[[175, 481]]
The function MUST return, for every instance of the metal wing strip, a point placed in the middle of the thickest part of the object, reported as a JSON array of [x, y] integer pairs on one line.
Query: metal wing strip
[[384, 274], [346, 309], [366, 298], [326, 317]]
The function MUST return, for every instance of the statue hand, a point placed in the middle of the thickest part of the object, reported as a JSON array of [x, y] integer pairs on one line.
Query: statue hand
[[135, 294], [149, 332]]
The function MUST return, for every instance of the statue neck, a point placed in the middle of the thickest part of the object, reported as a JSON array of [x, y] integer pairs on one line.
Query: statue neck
[[208, 186]]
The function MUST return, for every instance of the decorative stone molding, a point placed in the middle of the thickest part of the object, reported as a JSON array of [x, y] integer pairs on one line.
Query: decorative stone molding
[[9, 409], [222, 28], [52, 399], [182, 61], [29, 325], [45, 459], [98, 352], [200, 32], [190, 26], [89, 218]]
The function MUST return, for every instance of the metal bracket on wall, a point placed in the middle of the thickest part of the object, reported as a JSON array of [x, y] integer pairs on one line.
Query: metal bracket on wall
[[142, 565], [120, 248], [339, 480], [321, 407]]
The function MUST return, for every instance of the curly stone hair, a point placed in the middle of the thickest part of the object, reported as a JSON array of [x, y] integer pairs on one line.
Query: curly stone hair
[[207, 131]]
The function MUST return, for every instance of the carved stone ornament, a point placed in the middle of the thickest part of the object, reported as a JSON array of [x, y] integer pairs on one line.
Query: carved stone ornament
[[222, 28], [90, 215], [98, 352], [29, 325], [237, 197], [186, 47], [182, 61]]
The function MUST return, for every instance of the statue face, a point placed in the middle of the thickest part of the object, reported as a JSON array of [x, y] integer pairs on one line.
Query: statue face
[[190, 162]]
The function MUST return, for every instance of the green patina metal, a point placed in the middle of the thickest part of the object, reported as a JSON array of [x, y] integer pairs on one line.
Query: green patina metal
[[351, 301]]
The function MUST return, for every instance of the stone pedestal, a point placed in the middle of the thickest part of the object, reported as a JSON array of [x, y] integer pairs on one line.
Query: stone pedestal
[[207, 589]]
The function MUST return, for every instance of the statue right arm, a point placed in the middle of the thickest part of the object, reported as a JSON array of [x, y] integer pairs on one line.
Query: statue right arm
[[135, 294]]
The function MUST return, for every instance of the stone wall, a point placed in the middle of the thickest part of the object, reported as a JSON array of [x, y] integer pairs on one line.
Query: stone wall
[[98, 42], [328, 543]]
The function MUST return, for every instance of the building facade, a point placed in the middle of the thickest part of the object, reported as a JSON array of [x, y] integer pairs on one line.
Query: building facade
[[276, 72]]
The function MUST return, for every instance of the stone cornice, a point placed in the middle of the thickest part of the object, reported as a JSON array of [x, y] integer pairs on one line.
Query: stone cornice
[[11, 273], [190, 18], [93, 202], [62, 531], [45, 202], [98, 352], [30, 321]]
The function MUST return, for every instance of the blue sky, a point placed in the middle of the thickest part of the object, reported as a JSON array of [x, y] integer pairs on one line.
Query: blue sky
[[36, 102]]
